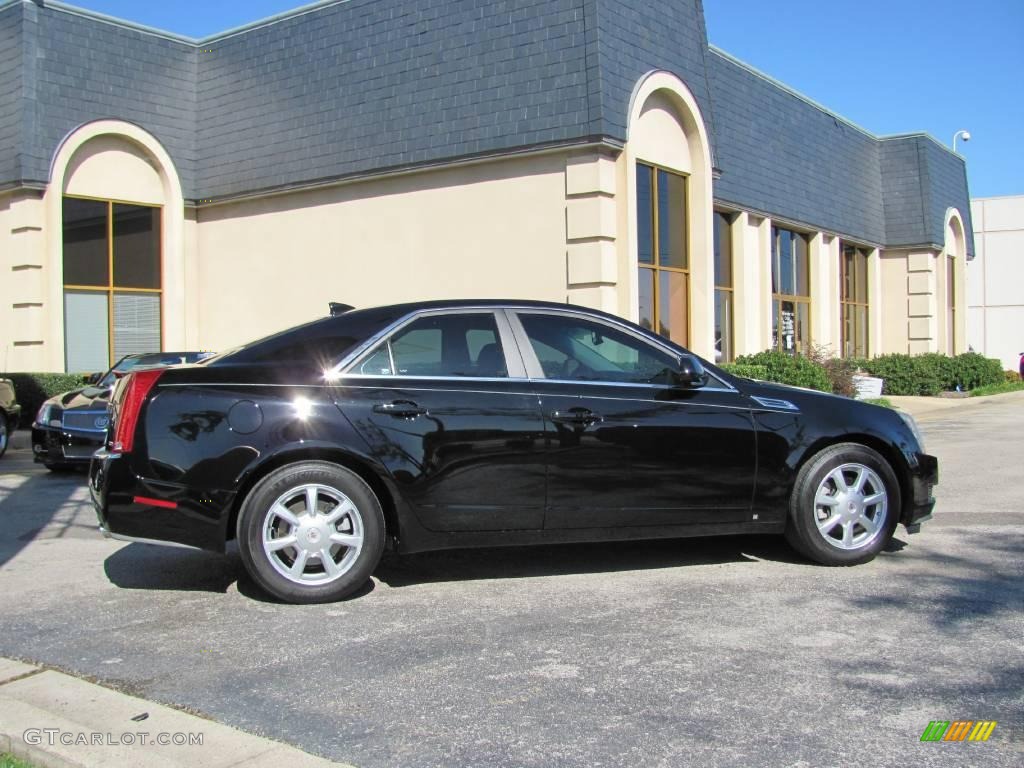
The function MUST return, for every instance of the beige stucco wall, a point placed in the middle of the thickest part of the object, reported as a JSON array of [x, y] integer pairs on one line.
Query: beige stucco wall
[[495, 229], [23, 285], [995, 278], [894, 278]]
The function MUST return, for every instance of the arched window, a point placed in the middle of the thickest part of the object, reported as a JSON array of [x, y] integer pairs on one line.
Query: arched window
[[671, 212]]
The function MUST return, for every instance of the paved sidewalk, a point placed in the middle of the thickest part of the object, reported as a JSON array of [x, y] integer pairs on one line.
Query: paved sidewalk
[[57, 721]]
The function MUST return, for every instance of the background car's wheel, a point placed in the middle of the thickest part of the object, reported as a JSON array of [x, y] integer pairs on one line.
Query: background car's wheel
[[4, 433], [844, 507], [311, 532]]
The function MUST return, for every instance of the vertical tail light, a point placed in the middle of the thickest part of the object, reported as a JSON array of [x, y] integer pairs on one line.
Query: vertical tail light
[[131, 394]]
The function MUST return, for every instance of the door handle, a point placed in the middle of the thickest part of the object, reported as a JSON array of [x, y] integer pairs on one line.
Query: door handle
[[400, 409], [576, 417]]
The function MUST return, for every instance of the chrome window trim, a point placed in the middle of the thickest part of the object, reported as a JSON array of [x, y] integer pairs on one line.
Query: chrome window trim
[[603, 383], [535, 371], [402, 377], [513, 361], [523, 393]]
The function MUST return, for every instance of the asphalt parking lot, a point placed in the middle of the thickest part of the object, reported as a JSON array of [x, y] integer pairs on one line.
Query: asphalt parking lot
[[712, 652]]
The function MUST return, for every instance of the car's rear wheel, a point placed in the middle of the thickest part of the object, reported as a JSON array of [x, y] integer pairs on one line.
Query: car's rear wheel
[[311, 532], [844, 507]]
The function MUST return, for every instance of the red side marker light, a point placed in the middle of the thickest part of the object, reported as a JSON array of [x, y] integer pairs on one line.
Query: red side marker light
[[154, 502]]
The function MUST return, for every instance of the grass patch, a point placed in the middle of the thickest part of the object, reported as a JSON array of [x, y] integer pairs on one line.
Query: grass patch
[[10, 761], [882, 401], [998, 389]]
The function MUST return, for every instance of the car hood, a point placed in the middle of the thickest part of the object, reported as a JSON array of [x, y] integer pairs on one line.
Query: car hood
[[84, 399]]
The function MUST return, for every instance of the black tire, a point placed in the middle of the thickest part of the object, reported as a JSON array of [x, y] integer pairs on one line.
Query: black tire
[[5, 433], [820, 531], [288, 485]]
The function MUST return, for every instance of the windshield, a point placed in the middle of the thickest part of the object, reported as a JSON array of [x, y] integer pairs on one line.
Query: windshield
[[152, 359]]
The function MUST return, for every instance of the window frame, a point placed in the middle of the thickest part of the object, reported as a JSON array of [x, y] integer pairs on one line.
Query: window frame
[[110, 289], [347, 368], [655, 266], [730, 219], [853, 302], [794, 298]]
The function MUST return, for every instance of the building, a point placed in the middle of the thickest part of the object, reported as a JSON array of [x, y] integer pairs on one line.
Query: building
[[199, 193], [995, 280]]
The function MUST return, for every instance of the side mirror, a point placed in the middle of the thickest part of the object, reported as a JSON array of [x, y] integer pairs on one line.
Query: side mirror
[[92, 378], [690, 374]]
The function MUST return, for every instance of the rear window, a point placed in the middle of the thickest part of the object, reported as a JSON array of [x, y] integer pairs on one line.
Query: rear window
[[322, 342]]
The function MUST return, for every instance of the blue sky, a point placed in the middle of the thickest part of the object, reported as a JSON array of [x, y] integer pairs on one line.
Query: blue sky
[[891, 66]]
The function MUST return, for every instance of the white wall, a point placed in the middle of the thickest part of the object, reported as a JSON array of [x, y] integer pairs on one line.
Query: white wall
[[995, 279]]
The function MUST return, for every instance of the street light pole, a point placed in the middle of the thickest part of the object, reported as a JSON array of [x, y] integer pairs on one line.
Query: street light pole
[[965, 134]]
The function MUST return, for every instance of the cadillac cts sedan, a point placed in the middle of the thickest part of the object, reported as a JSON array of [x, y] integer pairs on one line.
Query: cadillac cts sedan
[[483, 423]]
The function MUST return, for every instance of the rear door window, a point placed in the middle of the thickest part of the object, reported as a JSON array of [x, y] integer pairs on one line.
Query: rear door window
[[463, 344]]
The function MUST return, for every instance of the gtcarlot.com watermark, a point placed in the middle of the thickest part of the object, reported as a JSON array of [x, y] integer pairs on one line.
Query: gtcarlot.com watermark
[[51, 737]]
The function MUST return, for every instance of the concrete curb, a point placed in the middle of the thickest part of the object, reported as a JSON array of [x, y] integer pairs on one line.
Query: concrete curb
[[54, 720]]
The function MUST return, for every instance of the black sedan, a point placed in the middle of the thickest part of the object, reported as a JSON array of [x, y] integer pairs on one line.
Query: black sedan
[[461, 424], [70, 427]]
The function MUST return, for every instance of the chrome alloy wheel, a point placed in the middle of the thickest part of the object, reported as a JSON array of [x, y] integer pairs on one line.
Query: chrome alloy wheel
[[851, 506], [312, 534]]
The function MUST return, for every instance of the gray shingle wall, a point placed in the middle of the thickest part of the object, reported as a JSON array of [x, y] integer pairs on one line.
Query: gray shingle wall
[[947, 188], [87, 69], [783, 156], [11, 103], [633, 39], [921, 180], [901, 166], [372, 84]]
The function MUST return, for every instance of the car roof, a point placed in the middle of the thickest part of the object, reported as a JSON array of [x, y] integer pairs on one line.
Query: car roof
[[418, 306]]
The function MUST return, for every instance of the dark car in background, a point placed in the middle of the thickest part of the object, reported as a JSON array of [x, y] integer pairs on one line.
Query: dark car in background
[[486, 423], [10, 412], [68, 428]]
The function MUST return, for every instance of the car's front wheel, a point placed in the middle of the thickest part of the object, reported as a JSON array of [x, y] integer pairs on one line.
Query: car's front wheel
[[311, 532], [844, 507]]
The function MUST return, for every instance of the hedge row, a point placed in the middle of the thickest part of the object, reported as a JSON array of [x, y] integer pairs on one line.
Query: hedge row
[[932, 373], [926, 374], [797, 370], [34, 388]]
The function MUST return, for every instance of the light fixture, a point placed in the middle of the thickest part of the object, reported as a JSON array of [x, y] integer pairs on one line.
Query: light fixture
[[965, 135]]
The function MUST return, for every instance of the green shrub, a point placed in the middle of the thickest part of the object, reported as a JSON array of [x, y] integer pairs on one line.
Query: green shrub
[[34, 388], [906, 375], [795, 370], [932, 373], [1011, 376], [971, 370], [746, 371]]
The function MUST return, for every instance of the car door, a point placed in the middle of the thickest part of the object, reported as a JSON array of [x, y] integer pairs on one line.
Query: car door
[[444, 403], [626, 446]]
